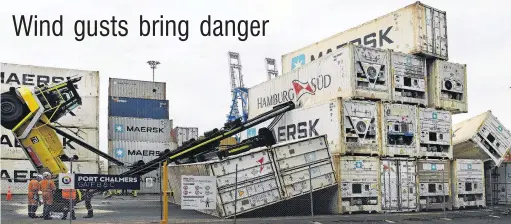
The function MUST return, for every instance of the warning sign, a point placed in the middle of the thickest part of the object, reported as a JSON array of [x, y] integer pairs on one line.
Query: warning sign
[[198, 192]]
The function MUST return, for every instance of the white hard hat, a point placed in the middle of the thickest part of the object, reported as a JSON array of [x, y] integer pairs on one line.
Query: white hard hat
[[46, 174]]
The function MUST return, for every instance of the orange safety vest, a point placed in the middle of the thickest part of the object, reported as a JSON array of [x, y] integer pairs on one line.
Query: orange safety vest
[[47, 187], [69, 194], [33, 189]]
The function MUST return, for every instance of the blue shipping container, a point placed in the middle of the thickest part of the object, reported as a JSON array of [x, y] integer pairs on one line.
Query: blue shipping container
[[138, 108]]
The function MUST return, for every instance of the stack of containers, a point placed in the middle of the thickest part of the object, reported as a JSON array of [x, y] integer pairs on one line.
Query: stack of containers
[[384, 94], [138, 126], [83, 124]]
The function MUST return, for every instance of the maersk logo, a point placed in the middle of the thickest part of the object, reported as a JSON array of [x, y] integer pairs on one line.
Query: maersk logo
[[297, 61], [433, 167], [358, 164], [119, 128], [469, 166], [251, 132], [119, 152]]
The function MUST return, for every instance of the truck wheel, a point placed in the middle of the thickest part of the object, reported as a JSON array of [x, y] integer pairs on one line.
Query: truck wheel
[[12, 110]]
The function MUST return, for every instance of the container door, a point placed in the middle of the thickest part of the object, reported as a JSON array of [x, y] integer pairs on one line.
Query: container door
[[390, 184]]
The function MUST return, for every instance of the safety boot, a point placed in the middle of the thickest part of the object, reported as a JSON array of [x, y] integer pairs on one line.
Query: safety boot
[[89, 214]]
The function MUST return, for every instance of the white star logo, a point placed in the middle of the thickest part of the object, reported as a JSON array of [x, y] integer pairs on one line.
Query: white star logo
[[119, 152], [118, 128], [298, 64]]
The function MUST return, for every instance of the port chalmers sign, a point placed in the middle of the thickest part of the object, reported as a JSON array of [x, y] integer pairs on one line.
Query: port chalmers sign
[[297, 89]]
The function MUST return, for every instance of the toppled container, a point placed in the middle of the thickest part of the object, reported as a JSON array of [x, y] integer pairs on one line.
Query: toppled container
[[409, 77], [262, 179], [435, 133], [481, 137], [359, 184], [398, 185], [468, 183], [415, 29], [434, 184], [399, 125], [351, 72], [447, 86]]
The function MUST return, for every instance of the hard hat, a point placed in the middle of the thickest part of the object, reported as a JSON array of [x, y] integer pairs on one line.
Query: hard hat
[[46, 174]]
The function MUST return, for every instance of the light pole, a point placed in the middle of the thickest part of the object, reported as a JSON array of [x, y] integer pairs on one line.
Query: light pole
[[153, 65]]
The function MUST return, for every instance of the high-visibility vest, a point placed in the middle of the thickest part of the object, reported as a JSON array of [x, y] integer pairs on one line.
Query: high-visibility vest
[[69, 194]]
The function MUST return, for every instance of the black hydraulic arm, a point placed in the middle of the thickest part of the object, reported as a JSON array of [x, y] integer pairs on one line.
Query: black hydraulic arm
[[87, 146], [213, 136]]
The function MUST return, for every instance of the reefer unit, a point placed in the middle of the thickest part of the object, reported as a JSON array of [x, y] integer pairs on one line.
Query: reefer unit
[[303, 163], [139, 129], [399, 185], [352, 72], [130, 152], [351, 126], [468, 183], [183, 134], [139, 108], [359, 184], [137, 89], [11, 149], [447, 86], [414, 29], [481, 137], [399, 130], [434, 184], [16, 173], [409, 76], [15, 75], [435, 133], [149, 182]]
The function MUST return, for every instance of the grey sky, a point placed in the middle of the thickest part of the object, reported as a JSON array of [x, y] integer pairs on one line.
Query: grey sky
[[196, 71]]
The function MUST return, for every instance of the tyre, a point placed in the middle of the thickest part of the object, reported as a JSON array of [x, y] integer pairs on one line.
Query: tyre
[[13, 110]]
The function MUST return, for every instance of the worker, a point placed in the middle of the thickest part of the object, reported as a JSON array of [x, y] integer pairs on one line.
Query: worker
[[33, 196], [88, 193], [48, 188], [69, 195]]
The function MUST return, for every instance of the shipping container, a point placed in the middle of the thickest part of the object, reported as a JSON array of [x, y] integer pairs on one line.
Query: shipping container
[[468, 183], [351, 126], [399, 185], [137, 89], [434, 184], [409, 76], [15, 75], [16, 172], [11, 149], [103, 166], [183, 134], [507, 158], [414, 29], [85, 115], [435, 133], [139, 129], [399, 129], [447, 86], [504, 186], [130, 152], [303, 163], [139, 108], [149, 183], [352, 72], [359, 184], [481, 137]]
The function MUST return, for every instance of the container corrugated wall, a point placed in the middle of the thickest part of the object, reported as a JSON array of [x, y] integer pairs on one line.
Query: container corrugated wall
[[137, 89], [130, 152], [138, 108], [415, 29], [139, 129], [15, 172]]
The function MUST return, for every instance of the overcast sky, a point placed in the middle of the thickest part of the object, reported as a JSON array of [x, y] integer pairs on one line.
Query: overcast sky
[[196, 71]]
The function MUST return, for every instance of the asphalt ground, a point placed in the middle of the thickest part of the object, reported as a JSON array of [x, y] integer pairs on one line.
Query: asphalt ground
[[145, 209]]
